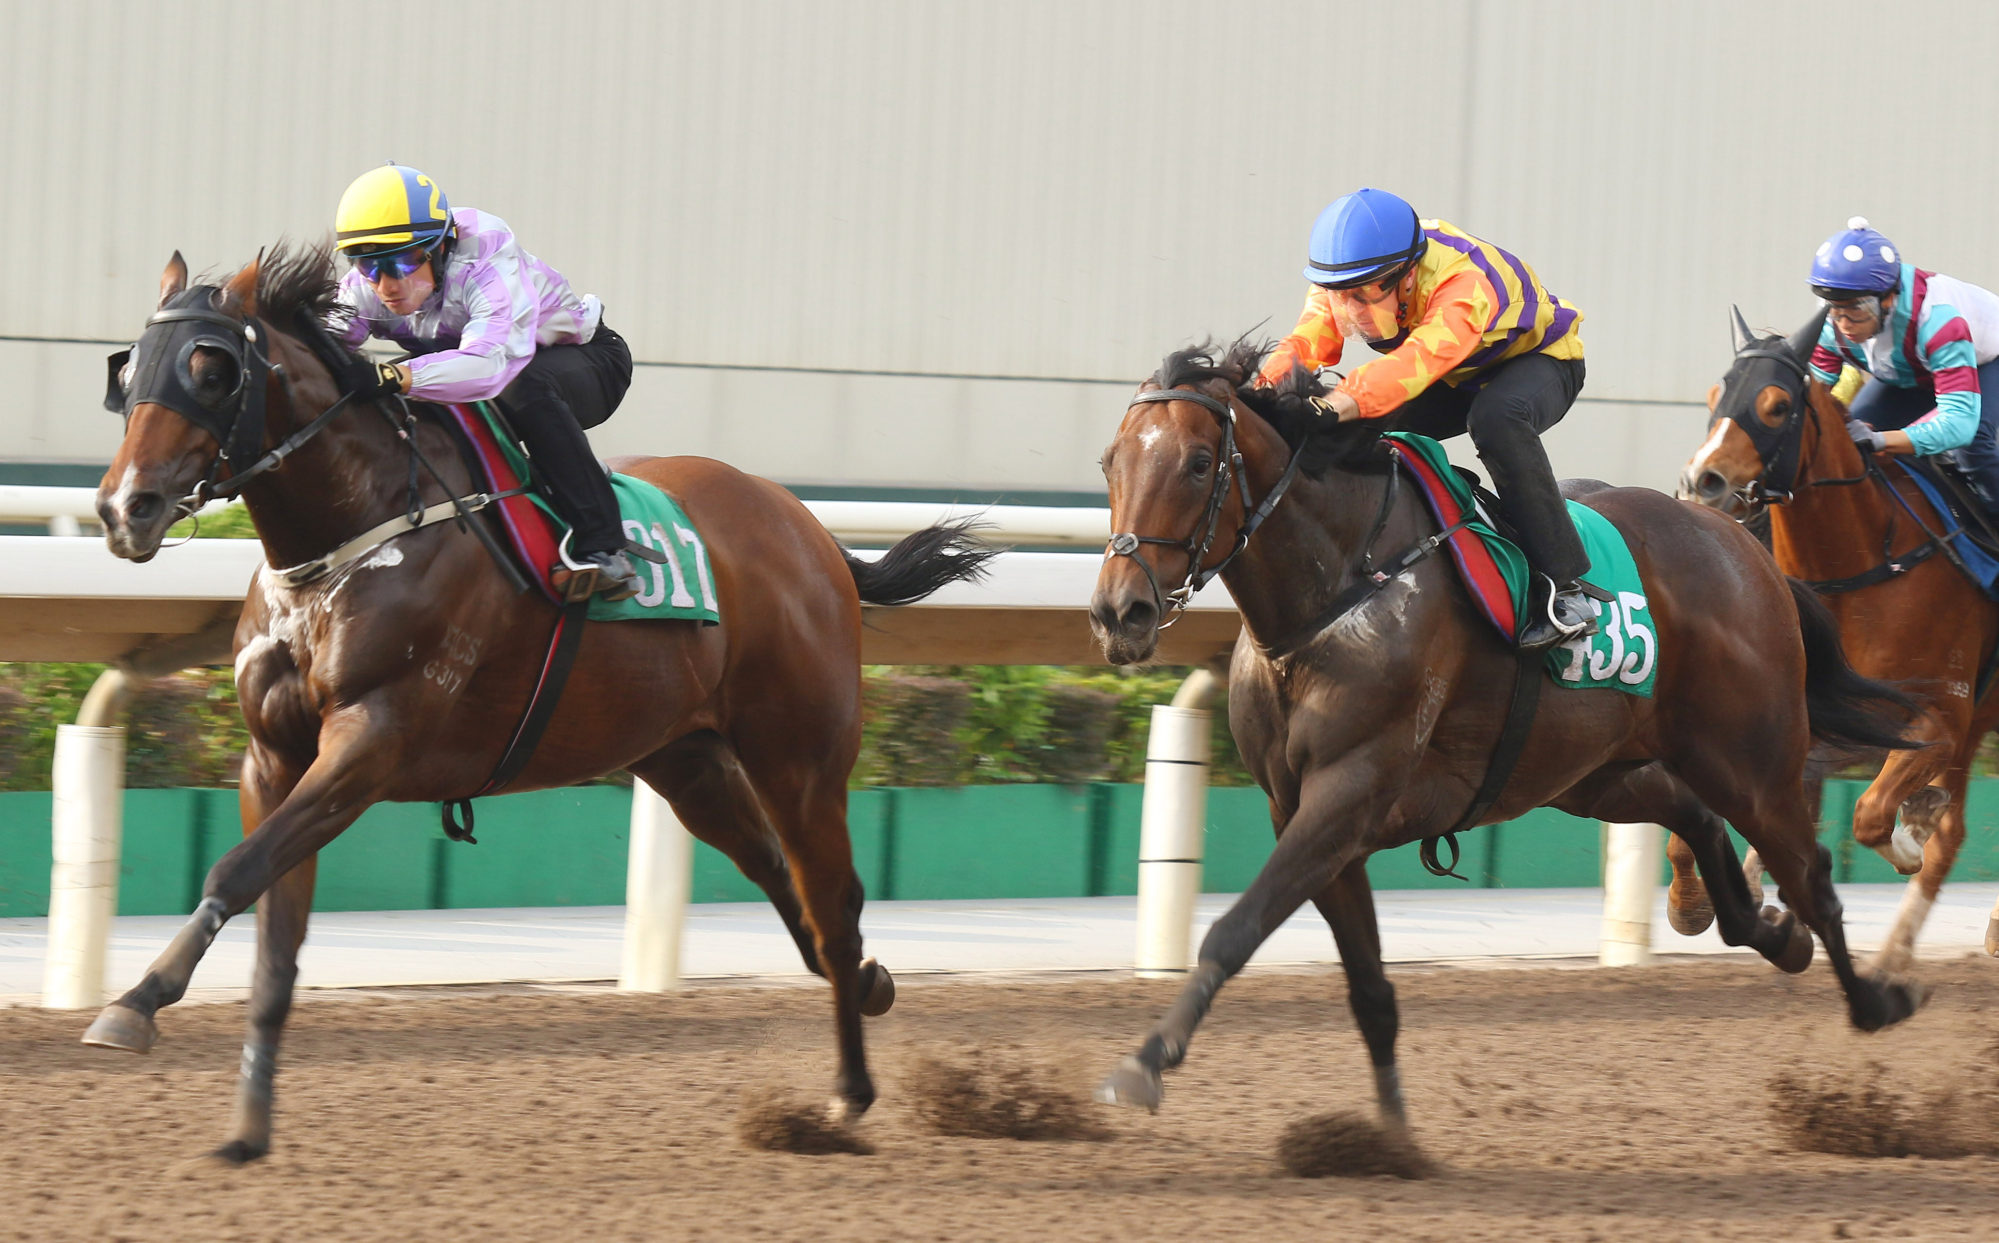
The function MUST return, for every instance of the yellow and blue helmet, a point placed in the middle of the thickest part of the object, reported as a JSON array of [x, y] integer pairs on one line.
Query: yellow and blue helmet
[[390, 206]]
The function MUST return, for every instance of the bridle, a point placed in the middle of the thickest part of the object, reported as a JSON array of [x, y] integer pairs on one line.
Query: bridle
[[159, 369], [1228, 471], [1782, 449]]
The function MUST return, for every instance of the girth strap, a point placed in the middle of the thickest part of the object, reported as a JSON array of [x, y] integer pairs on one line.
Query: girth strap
[[562, 644], [1505, 756], [375, 536]]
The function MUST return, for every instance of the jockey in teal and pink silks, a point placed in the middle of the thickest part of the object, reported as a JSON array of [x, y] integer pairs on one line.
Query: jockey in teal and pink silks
[[1930, 344]]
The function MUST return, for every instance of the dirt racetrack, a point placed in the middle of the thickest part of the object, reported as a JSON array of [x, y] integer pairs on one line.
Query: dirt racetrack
[[1558, 1103]]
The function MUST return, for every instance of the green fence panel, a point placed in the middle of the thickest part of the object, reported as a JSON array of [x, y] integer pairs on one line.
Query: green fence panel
[[1119, 814], [1239, 838], [1979, 860], [25, 853], [1549, 849], [1021, 841], [564, 847], [158, 856]]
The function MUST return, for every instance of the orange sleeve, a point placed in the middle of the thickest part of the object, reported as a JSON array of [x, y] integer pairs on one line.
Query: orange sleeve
[[1313, 344], [1453, 324]]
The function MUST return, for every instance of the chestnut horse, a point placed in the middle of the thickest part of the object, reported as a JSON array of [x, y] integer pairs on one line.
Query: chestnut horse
[[403, 677], [1777, 444], [1368, 713]]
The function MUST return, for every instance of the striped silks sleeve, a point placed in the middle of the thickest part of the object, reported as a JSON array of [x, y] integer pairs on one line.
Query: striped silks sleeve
[[1316, 342], [1454, 321]]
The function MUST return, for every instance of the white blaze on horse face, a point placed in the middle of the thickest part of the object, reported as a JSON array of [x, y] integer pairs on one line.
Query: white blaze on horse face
[[1706, 453], [1149, 438]]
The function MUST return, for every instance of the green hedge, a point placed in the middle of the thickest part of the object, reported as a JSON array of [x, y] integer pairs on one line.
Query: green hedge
[[922, 725]]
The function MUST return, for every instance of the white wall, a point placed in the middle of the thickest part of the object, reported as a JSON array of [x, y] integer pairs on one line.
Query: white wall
[[931, 203]]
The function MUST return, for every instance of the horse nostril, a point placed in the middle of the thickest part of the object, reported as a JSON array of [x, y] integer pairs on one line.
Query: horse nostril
[[1139, 615], [1710, 485], [144, 507]]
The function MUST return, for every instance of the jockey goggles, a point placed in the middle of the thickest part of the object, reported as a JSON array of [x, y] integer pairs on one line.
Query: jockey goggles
[[393, 264], [1371, 312]]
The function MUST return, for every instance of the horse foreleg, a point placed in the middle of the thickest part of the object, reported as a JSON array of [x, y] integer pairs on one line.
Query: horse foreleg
[[1314, 847], [1898, 953], [331, 796], [1348, 908], [282, 913]]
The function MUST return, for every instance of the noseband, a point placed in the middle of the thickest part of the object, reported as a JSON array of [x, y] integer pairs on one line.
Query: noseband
[[1228, 470], [159, 369]]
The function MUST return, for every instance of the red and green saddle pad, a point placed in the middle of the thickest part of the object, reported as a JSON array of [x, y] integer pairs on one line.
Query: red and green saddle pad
[[1622, 655], [678, 586]]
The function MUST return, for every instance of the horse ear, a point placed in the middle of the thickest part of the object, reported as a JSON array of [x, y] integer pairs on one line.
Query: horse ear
[[241, 289], [1807, 338], [1740, 326], [174, 279]]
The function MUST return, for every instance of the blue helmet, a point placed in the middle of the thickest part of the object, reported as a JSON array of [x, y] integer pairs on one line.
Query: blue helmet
[[1855, 261], [1362, 238]]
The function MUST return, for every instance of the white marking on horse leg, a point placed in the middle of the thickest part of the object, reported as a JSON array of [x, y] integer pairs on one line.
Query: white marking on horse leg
[[1898, 952], [1902, 850]]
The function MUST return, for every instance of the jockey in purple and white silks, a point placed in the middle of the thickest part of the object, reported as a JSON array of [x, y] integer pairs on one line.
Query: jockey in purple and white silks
[[1928, 342], [485, 320]]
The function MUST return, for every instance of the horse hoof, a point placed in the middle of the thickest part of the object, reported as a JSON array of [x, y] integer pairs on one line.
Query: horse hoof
[[1902, 851], [877, 988], [1898, 1000], [1797, 952], [238, 1152], [1992, 936], [121, 1027], [1692, 920], [1134, 1085]]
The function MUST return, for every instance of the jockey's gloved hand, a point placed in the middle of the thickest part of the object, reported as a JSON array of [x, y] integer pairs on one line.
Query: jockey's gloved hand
[[1869, 440], [366, 378]]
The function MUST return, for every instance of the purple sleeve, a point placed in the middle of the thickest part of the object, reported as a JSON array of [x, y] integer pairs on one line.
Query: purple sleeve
[[497, 342], [354, 295]]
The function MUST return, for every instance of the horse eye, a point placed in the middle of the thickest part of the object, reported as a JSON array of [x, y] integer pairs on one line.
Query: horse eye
[[1199, 465]]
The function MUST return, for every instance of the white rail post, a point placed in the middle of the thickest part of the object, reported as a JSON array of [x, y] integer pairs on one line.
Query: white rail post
[[87, 831], [1632, 857], [659, 878], [1172, 829]]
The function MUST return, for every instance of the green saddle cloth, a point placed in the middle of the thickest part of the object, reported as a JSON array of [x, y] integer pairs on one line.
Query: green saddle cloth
[[679, 586], [1624, 653]]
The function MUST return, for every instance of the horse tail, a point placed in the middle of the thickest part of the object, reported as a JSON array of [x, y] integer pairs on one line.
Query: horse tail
[[921, 563], [1846, 709]]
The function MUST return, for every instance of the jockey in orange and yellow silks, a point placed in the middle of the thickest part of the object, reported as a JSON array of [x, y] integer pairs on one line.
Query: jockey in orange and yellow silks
[[1471, 341]]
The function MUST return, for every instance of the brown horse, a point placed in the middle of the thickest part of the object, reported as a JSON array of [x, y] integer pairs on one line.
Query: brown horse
[[403, 677], [1777, 444], [1367, 703]]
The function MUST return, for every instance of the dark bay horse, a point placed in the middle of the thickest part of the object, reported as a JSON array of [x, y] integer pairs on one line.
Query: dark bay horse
[[1777, 443], [1372, 727], [402, 677]]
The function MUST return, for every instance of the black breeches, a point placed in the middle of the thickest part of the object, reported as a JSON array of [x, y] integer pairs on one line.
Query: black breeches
[[1506, 415], [562, 390]]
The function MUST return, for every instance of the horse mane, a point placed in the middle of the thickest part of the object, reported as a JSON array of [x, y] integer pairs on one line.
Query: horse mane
[[1285, 405], [294, 277]]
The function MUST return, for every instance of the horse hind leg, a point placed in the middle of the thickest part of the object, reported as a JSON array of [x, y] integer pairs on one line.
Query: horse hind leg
[[1802, 868], [703, 779], [1688, 908], [805, 800], [1654, 795]]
